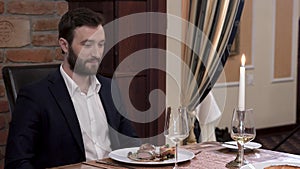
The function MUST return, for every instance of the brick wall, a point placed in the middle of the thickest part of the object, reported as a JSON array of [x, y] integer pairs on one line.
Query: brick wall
[[28, 35]]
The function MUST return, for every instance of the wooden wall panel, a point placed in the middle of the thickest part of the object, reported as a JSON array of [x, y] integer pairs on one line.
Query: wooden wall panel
[[283, 39]]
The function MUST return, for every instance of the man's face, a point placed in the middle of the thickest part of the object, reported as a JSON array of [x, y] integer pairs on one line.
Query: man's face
[[85, 53]]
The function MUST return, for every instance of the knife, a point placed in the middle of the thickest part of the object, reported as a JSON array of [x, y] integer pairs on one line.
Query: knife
[[85, 163], [113, 164]]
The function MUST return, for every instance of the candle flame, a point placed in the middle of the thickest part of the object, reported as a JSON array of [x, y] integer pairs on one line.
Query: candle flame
[[243, 60]]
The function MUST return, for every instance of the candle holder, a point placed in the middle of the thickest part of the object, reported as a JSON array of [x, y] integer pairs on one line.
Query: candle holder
[[242, 131]]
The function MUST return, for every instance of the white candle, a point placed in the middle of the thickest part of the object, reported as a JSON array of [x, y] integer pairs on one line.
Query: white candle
[[242, 85]]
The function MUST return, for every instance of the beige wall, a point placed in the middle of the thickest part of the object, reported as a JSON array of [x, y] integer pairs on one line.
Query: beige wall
[[273, 100], [174, 51]]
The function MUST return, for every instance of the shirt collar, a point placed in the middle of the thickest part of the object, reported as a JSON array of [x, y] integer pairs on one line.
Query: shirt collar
[[95, 84], [73, 87]]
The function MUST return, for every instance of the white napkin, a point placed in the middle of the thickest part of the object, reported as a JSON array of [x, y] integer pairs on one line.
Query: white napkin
[[208, 115]]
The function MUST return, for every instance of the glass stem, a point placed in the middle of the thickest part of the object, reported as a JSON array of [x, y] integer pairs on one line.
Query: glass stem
[[240, 156], [176, 154]]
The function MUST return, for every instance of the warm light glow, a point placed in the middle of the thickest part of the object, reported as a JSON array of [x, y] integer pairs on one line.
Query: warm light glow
[[243, 60]]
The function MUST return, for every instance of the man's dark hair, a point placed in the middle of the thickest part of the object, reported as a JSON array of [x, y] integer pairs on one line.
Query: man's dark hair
[[76, 18]]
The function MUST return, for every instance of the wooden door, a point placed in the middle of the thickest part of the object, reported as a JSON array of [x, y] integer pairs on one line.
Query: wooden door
[[143, 81]]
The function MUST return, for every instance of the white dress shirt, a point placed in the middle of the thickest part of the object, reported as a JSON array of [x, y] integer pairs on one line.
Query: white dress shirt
[[91, 116]]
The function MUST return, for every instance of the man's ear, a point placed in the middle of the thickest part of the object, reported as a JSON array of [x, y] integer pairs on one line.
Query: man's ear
[[64, 45]]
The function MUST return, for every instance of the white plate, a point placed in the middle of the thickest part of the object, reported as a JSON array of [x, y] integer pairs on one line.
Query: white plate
[[249, 145], [121, 156], [262, 165]]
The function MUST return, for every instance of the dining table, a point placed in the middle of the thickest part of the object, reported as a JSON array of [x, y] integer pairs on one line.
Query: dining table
[[207, 155]]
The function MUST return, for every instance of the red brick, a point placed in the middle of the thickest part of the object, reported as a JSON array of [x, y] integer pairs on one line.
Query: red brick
[[2, 122], [62, 7], [45, 40], [58, 54], [3, 136], [45, 24], [30, 55], [4, 106], [1, 7], [2, 91], [31, 7], [17, 32]]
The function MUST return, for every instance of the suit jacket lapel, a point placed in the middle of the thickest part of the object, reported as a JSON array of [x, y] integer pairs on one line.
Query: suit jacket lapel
[[105, 98], [110, 110], [107, 101], [60, 92]]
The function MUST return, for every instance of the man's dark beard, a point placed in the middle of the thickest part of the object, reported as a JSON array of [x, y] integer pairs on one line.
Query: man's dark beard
[[78, 68], [72, 57]]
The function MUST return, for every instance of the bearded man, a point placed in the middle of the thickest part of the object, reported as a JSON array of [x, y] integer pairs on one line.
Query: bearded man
[[70, 116]]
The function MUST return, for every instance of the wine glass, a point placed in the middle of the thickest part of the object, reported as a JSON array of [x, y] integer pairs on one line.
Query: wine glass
[[176, 127], [242, 131]]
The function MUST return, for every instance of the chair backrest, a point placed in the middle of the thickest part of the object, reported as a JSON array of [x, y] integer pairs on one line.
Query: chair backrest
[[16, 77]]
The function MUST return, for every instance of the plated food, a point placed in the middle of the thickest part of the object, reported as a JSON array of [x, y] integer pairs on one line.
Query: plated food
[[148, 152], [121, 155]]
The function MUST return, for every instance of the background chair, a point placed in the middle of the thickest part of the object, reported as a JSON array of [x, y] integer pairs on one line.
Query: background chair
[[16, 77]]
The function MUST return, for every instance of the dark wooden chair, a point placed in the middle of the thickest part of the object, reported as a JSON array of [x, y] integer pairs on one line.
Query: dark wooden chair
[[16, 77]]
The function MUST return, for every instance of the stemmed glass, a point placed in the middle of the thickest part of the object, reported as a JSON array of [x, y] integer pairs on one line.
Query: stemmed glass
[[242, 131], [176, 128]]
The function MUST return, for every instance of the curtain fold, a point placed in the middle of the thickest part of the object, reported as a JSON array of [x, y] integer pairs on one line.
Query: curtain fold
[[209, 32]]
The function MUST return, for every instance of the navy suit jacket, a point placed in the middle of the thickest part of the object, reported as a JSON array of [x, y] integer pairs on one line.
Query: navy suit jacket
[[45, 132]]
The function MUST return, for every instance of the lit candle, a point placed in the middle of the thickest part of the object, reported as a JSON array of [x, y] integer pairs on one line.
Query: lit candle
[[242, 85]]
